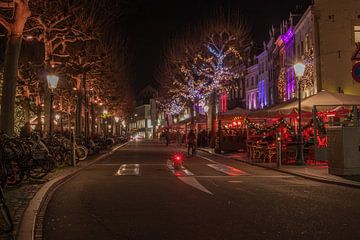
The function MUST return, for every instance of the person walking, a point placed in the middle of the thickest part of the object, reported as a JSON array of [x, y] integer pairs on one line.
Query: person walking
[[191, 142]]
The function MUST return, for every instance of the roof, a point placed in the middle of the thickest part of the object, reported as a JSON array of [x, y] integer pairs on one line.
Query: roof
[[324, 99]]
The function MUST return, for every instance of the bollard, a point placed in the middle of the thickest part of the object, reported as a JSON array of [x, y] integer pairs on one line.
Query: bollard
[[278, 149]]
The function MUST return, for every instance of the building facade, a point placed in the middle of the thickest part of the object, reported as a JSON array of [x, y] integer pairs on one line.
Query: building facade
[[322, 40]]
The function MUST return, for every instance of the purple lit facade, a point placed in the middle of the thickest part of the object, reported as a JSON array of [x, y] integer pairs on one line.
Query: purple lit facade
[[288, 44], [288, 37]]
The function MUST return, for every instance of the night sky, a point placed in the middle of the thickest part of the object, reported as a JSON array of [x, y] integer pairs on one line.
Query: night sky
[[151, 23]]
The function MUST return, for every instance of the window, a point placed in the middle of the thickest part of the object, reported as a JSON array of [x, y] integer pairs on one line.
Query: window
[[357, 33], [252, 81]]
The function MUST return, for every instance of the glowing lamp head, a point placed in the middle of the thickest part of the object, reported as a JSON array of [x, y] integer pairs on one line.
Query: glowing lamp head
[[117, 119], [57, 117], [105, 112], [52, 81], [299, 69]]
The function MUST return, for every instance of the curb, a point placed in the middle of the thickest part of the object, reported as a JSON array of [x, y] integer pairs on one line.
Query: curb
[[27, 224], [309, 177]]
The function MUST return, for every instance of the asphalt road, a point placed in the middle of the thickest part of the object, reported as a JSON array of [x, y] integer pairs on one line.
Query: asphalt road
[[254, 203]]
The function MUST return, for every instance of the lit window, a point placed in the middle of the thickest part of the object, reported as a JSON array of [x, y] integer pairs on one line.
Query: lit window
[[357, 33]]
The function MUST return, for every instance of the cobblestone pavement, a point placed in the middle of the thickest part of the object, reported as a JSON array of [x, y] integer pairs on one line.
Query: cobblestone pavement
[[18, 198]]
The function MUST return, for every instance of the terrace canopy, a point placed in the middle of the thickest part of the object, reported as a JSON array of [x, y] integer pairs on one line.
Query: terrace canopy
[[326, 100]]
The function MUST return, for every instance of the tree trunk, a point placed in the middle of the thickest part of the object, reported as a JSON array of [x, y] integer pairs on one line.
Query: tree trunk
[[93, 119], [78, 127], [47, 106], [86, 108], [12, 54], [14, 29], [192, 116], [212, 116], [39, 123]]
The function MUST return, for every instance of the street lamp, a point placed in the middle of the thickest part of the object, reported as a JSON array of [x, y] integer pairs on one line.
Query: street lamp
[[299, 69], [52, 84], [206, 110], [117, 119]]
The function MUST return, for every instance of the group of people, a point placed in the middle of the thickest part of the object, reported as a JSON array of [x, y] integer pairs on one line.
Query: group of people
[[192, 141]]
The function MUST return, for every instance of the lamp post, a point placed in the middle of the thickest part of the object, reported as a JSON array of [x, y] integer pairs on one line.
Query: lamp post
[[117, 119], [52, 84], [105, 121], [299, 69], [206, 110]]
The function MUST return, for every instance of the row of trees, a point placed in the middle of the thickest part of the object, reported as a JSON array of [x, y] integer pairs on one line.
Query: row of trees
[[74, 40], [202, 63]]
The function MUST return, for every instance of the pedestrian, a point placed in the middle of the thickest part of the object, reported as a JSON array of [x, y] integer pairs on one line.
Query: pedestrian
[[191, 142], [25, 131]]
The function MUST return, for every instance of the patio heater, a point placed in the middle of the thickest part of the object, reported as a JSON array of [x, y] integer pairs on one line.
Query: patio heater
[[299, 69]]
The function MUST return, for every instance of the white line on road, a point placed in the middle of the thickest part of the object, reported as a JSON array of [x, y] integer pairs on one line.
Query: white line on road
[[228, 170], [208, 159], [183, 172], [191, 181]]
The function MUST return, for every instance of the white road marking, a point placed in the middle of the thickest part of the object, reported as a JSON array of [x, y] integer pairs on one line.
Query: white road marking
[[183, 172], [228, 170], [235, 181], [191, 181], [128, 170], [186, 177], [208, 159]]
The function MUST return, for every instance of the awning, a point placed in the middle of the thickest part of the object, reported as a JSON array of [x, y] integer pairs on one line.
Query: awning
[[326, 101]]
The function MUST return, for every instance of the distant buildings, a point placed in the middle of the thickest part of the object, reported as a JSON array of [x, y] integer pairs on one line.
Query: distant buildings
[[144, 119], [323, 38]]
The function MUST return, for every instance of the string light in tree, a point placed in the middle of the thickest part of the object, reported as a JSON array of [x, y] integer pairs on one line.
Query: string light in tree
[[282, 83], [308, 77]]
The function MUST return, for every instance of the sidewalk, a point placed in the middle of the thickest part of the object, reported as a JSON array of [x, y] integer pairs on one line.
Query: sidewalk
[[316, 173], [19, 197]]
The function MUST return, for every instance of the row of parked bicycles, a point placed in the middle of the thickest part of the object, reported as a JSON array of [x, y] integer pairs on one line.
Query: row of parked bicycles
[[35, 157]]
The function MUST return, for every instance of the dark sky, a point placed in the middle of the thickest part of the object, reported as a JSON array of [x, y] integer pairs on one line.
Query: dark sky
[[151, 23]]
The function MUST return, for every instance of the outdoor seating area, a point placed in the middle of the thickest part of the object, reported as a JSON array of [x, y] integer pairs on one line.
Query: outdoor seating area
[[263, 130]]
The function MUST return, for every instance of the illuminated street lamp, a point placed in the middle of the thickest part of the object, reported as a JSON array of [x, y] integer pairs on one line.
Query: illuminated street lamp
[[299, 69], [52, 84], [117, 119]]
